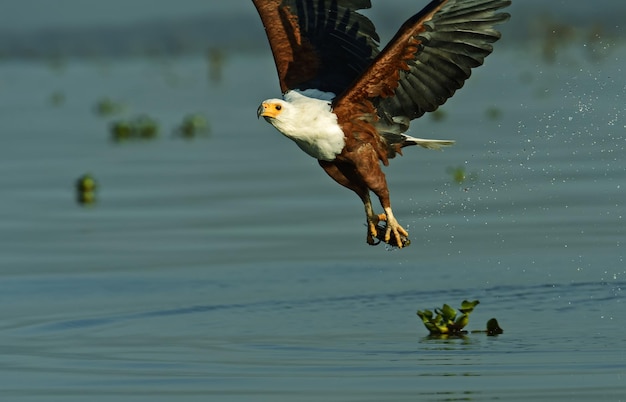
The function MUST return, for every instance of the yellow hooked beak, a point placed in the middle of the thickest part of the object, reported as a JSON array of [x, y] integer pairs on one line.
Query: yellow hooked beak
[[269, 110]]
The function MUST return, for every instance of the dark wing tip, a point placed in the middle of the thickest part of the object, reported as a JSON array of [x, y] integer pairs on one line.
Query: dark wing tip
[[455, 40]]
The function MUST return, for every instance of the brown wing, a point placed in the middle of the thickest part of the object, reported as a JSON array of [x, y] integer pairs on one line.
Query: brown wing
[[320, 44], [429, 58]]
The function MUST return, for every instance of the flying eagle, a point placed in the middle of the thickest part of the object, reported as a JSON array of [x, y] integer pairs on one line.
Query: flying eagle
[[347, 103]]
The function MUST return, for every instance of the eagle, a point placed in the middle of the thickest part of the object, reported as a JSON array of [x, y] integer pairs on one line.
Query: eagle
[[348, 104]]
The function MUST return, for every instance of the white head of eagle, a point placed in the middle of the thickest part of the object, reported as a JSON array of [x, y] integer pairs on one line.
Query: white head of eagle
[[307, 120]]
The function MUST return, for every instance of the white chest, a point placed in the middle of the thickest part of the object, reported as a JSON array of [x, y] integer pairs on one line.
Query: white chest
[[310, 123], [321, 142]]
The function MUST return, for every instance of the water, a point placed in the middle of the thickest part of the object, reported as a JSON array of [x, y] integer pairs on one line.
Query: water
[[231, 268]]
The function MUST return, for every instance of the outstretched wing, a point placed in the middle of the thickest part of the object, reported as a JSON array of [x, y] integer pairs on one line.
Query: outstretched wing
[[319, 44], [429, 58]]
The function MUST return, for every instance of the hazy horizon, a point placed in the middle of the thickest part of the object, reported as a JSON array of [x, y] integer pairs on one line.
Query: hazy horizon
[[116, 28]]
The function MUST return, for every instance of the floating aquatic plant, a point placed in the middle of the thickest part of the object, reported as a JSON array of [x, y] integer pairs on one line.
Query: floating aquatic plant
[[86, 187], [446, 321], [145, 126], [107, 107], [121, 130], [493, 328], [141, 127], [459, 174], [193, 125]]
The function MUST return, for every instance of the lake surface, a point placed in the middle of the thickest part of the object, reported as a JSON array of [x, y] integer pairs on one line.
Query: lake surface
[[230, 268]]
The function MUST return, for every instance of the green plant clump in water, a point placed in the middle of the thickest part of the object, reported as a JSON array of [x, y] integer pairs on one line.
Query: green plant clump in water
[[107, 107], [446, 321], [192, 126], [459, 175], [146, 127], [141, 127], [86, 187], [493, 328]]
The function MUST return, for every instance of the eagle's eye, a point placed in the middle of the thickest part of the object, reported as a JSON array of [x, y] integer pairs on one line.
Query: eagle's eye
[[278, 107]]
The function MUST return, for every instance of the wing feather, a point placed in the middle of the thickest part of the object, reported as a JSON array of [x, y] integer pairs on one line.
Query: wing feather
[[456, 40], [429, 58], [320, 44]]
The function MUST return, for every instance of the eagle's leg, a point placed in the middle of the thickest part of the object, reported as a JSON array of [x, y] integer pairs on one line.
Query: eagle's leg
[[376, 182], [372, 220], [362, 178], [345, 174], [392, 228]]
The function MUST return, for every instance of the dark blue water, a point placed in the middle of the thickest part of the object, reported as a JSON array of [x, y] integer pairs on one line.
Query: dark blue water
[[230, 268]]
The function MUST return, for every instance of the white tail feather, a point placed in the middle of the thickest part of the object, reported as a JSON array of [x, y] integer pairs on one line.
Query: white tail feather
[[429, 144]]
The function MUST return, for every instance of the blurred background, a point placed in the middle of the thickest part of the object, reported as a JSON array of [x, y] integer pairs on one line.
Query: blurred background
[[157, 240], [75, 28]]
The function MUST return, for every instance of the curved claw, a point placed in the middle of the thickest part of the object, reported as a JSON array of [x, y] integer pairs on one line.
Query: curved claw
[[373, 229], [392, 234], [399, 234], [372, 240], [399, 239]]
